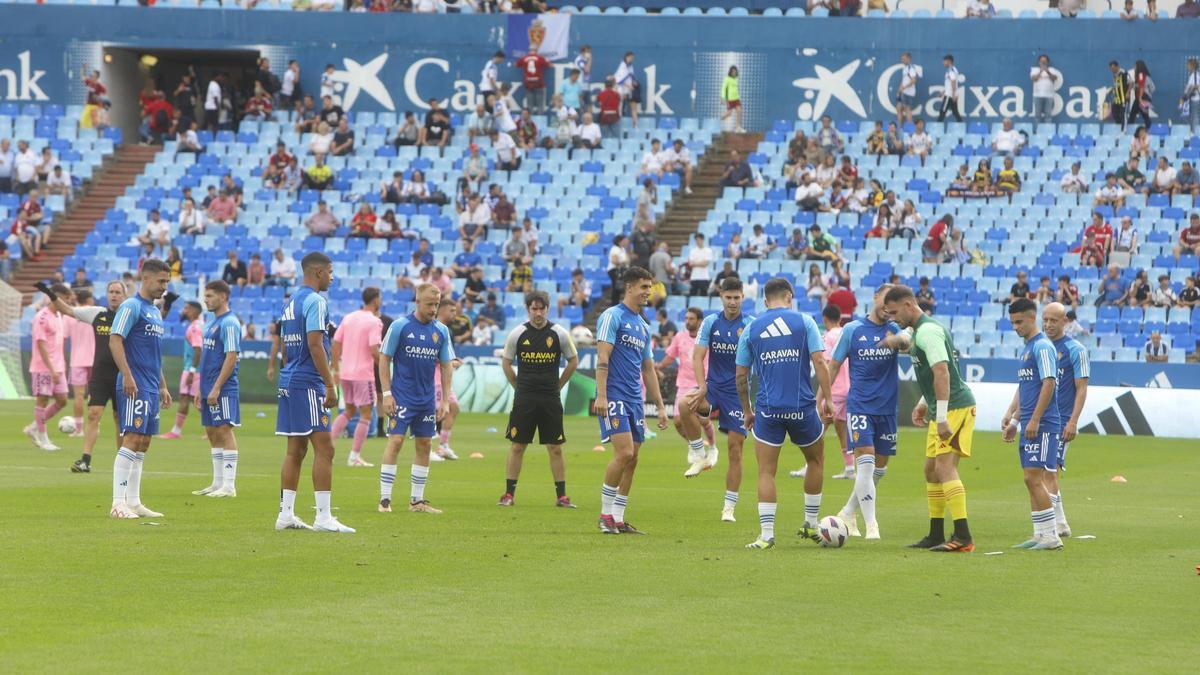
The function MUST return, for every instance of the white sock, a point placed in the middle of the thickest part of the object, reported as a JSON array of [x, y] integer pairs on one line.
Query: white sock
[[79, 424], [864, 486], [607, 494], [353, 455], [618, 507], [230, 468], [121, 467], [1060, 514], [218, 462], [879, 473], [419, 475], [133, 492], [177, 429], [731, 497], [387, 478], [287, 504], [812, 508], [696, 446], [766, 520], [1043, 523], [323, 504]]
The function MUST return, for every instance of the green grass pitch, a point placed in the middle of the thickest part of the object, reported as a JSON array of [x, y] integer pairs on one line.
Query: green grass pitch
[[535, 588]]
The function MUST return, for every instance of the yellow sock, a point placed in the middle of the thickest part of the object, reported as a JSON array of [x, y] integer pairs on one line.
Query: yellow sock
[[937, 499], [956, 498]]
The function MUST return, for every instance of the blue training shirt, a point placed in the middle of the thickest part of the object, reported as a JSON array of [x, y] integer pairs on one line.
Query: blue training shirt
[[1073, 364], [222, 334], [874, 377], [720, 336], [778, 348], [1039, 362], [629, 335], [140, 323], [416, 349], [304, 313]]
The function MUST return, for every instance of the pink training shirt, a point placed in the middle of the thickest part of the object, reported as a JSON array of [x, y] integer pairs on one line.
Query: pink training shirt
[[83, 342], [195, 338], [359, 332], [681, 348], [841, 386], [48, 328]]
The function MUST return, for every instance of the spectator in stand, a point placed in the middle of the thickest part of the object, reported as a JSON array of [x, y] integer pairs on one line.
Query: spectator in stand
[[1111, 193], [362, 225], [1114, 290], [474, 220], [231, 187], [260, 106], [520, 278], [459, 323], [919, 144], [1043, 294], [759, 245], [580, 294], [322, 140], [732, 99], [1190, 295], [817, 287], [437, 131], [1008, 180], [157, 234], [187, 139], [1074, 327], [926, 299], [666, 329], [1163, 295], [981, 9], [949, 90], [828, 137], [175, 263], [318, 176], [6, 165], [843, 298], [489, 79], [737, 172], [1073, 182], [322, 222], [642, 243], [1125, 240], [256, 272], [387, 227], [796, 244], [893, 142], [678, 160], [609, 103], [493, 312], [1044, 80], [515, 250], [618, 262], [563, 120], [1101, 232], [628, 85], [508, 155], [330, 113], [224, 209], [392, 192], [417, 190], [663, 267], [875, 140], [827, 173], [1139, 145], [653, 161], [883, 225], [343, 139], [235, 272], [1129, 177], [529, 235], [906, 92], [700, 260], [1007, 141], [589, 133], [59, 183], [414, 272], [981, 181], [1156, 350], [191, 219], [502, 119], [24, 169], [283, 270], [466, 261], [527, 131], [570, 90], [1188, 9], [808, 193], [533, 68], [821, 245], [1186, 180], [1128, 13], [1020, 289], [1066, 292], [45, 163], [1090, 253], [305, 115], [1162, 181], [157, 114], [1189, 239], [409, 132], [81, 282], [475, 169]]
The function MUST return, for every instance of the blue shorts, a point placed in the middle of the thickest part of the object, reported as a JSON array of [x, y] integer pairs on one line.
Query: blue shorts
[[624, 417], [227, 412], [301, 412], [420, 422], [873, 431], [908, 101], [1062, 453], [1040, 453], [802, 426], [138, 415], [729, 411]]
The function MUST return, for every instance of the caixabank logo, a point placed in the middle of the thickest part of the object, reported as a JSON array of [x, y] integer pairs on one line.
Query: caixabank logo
[[20, 81]]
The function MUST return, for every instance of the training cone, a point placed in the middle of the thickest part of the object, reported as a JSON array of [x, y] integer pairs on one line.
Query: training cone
[[476, 455], [1119, 479], [598, 448]]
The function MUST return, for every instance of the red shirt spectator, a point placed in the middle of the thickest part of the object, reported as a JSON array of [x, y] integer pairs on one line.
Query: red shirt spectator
[[96, 90], [1190, 235], [843, 299], [259, 105], [152, 110], [534, 67], [32, 211], [363, 223], [610, 105], [282, 159], [933, 242], [1102, 231]]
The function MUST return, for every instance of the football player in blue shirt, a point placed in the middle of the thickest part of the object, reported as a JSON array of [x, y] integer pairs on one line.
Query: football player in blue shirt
[[217, 400], [718, 340], [411, 351], [783, 349], [1074, 371], [869, 347], [307, 393], [1035, 402], [624, 359], [136, 346]]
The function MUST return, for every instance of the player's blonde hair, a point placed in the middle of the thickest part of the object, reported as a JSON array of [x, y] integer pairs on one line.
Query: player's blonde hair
[[426, 287]]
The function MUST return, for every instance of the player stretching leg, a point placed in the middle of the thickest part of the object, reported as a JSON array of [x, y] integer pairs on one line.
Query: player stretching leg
[[949, 437], [136, 345], [623, 361], [716, 352], [83, 354], [189, 379], [831, 318], [1035, 402], [355, 353], [412, 349], [218, 403], [447, 310], [537, 346], [1074, 371], [48, 367], [869, 345], [783, 348], [702, 454], [307, 393]]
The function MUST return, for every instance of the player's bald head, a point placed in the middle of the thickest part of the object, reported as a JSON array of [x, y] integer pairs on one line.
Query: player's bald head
[[1054, 320], [1055, 310]]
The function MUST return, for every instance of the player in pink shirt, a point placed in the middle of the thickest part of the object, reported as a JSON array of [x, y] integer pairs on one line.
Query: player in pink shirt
[[355, 354], [189, 379], [447, 310], [48, 368], [832, 318], [82, 338], [692, 427]]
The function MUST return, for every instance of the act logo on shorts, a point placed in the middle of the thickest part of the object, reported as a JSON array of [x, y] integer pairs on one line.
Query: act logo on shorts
[[512, 432], [137, 421], [324, 420]]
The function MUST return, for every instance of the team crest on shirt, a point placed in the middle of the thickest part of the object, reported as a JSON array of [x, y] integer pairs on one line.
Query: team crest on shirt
[[324, 420], [856, 437], [549, 341], [434, 337], [739, 332]]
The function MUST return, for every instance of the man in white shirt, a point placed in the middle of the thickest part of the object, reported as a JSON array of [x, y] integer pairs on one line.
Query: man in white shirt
[[501, 116], [1043, 79], [287, 90], [949, 90], [212, 103], [489, 79], [906, 93], [283, 270], [809, 193], [627, 85], [679, 160], [919, 143], [426, 6], [1125, 240], [25, 163], [508, 155], [158, 232], [1163, 180], [1191, 93], [1111, 193], [1073, 182], [859, 199], [758, 245], [589, 135], [700, 259], [652, 161], [1007, 141], [476, 214], [59, 183]]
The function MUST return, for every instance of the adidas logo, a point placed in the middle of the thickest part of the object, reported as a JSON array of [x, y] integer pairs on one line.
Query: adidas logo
[[862, 338], [777, 328], [1108, 422], [410, 336]]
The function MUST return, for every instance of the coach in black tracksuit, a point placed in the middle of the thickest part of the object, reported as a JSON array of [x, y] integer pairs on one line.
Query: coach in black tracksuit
[[537, 347]]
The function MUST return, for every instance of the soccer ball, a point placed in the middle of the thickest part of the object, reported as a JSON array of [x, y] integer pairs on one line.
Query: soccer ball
[[832, 532], [67, 425]]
